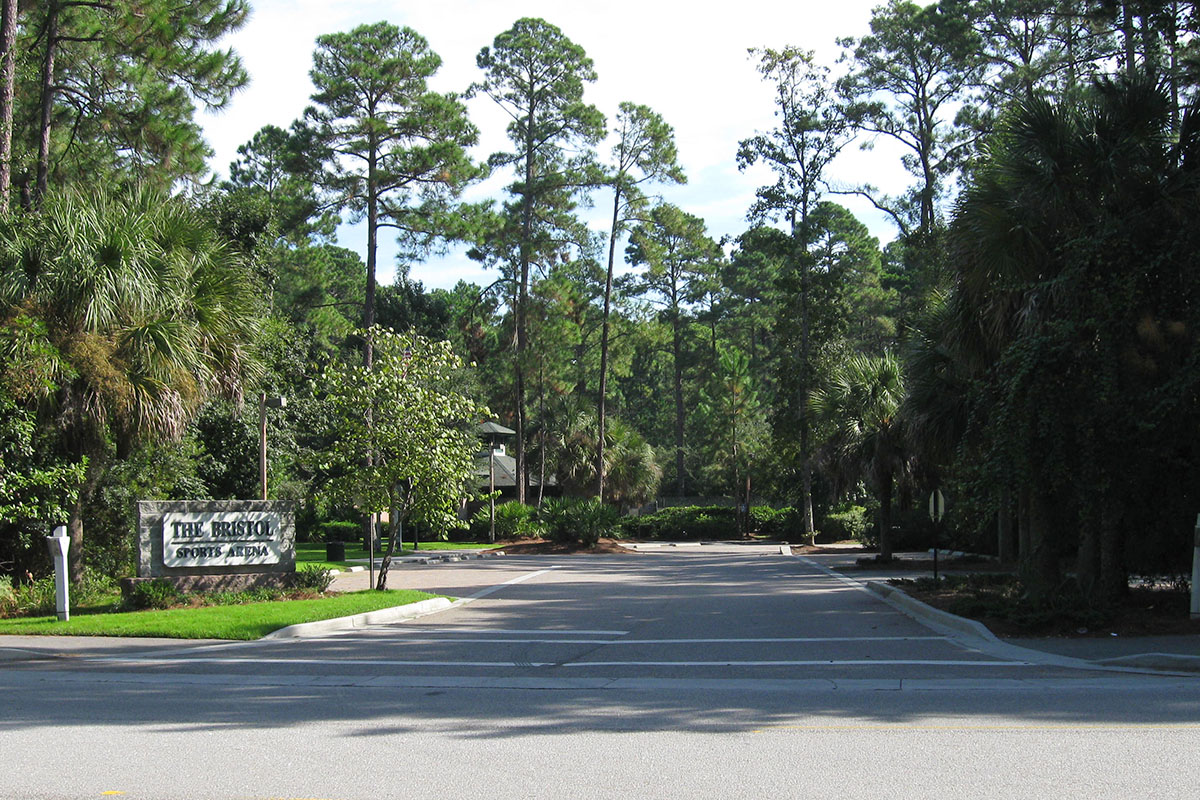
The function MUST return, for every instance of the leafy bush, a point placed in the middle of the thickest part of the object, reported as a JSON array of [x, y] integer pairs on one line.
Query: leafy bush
[[572, 519], [37, 596], [95, 588], [683, 523], [786, 524], [8, 596], [765, 520], [157, 593], [848, 521], [513, 521], [340, 531], [259, 594], [316, 579]]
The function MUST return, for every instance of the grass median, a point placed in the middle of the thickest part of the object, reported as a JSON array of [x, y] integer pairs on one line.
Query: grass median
[[244, 621]]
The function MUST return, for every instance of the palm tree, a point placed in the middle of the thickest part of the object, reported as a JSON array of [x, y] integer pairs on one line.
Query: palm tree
[[148, 311], [859, 406], [632, 475]]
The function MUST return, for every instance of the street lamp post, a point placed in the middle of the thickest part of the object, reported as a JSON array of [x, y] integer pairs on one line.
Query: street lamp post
[[263, 403]]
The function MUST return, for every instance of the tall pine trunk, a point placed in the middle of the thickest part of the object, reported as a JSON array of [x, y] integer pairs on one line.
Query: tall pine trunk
[[601, 404], [677, 352], [1039, 566], [47, 101], [520, 315], [8, 72]]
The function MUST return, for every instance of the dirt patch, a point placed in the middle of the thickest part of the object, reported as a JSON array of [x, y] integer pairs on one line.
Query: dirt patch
[[546, 547]]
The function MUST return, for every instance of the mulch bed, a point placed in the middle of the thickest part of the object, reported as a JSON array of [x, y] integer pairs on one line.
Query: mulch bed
[[527, 547], [1144, 612]]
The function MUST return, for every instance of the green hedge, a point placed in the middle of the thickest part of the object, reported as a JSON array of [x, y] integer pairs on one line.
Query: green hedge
[[339, 531], [785, 524], [848, 521], [682, 523]]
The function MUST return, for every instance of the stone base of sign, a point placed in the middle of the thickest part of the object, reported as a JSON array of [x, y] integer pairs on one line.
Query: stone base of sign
[[207, 584], [150, 538]]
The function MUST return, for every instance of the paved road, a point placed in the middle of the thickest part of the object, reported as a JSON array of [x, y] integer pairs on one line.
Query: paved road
[[731, 672]]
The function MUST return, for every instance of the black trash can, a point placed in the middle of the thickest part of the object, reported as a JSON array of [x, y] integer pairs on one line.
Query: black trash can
[[335, 551]]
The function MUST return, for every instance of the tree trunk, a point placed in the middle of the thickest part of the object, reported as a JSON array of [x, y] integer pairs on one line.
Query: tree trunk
[[1113, 580], [1005, 545], [602, 400], [677, 348], [801, 235], [91, 479], [8, 72], [372, 255], [397, 535], [47, 101], [1087, 556], [1127, 34], [1039, 567], [885, 518], [520, 316], [542, 435], [1023, 538]]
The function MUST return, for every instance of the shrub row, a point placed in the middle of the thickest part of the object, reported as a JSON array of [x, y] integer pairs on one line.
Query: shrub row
[[682, 523], [560, 519]]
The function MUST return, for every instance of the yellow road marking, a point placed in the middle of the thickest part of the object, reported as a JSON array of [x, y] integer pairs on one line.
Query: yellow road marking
[[111, 792]]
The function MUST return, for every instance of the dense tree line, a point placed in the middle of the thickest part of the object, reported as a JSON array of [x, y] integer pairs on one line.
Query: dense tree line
[[1026, 342]]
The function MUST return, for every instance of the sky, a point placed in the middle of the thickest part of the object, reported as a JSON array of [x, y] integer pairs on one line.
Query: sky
[[688, 63]]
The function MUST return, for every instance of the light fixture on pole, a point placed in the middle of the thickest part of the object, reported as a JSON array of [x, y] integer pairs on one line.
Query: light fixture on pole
[[264, 403]]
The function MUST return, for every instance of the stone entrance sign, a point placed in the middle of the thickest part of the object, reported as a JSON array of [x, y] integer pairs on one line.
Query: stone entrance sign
[[222, 538], [216, 543]]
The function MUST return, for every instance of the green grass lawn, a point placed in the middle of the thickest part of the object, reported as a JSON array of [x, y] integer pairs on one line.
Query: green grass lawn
[[248, 621], [313, 553]]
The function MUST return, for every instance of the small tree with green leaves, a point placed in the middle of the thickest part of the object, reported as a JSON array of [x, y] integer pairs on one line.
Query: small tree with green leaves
[[412, 411]]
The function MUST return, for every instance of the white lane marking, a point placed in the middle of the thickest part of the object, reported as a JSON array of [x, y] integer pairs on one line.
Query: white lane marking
[[362, 662], [499, 586], [365, 662], [419, 639], [503, 632], [170, 681], [827, 663]]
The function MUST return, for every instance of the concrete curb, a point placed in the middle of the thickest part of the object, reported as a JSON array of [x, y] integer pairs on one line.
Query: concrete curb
[[1160, 662], [925, 612], [381, 617], [1167, 662]]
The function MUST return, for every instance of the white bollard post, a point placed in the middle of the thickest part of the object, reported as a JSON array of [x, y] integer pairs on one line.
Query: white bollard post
[[1196, 572], [59, 543]]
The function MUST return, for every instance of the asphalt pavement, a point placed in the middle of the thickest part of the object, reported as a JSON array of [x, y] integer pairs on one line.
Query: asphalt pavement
[[458, 575], [708, 671]]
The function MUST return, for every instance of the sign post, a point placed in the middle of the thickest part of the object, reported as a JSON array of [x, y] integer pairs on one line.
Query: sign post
[[1196, 572], [59, 543], [937, 509]]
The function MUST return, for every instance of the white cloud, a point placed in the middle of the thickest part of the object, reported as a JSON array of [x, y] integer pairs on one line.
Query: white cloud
[[688, 63]]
